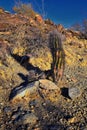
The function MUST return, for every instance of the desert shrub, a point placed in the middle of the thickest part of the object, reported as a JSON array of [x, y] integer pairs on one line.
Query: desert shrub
[[25, 9], [82, 27], [76, 27]]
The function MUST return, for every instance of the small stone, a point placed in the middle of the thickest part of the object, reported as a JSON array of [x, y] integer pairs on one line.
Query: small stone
[[28, 118], [70, 128], [15, 116], [74, 92], [32, 103], [73, 120], [37, 129], [85, 128], [7, 110], [0, 111], [53, 127], [2, 104], [44, 104]]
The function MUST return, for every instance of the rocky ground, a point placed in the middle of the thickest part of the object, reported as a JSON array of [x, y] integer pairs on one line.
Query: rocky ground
[[30, 103]]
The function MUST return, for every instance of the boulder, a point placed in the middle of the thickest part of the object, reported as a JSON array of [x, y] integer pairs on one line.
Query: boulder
[[49, 90], [48, 85], [24, 91]]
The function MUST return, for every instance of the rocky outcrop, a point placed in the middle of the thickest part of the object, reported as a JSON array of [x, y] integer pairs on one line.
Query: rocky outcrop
[[38, 18], [71, 33], [49, 22]]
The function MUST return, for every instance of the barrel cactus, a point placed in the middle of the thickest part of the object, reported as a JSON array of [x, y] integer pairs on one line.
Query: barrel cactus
[[55, 41]]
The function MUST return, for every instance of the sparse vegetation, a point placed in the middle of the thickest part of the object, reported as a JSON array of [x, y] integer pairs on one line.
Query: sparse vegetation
[[82, 27], [25, 9]]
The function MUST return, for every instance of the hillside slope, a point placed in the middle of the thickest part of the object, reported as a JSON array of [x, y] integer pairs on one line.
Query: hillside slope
[[24, 45]]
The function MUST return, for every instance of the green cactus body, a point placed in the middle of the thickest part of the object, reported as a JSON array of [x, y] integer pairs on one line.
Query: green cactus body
[[58, 57]]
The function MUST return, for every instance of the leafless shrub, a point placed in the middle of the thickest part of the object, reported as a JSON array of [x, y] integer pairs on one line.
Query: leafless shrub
[[82, 27], [25, 9]]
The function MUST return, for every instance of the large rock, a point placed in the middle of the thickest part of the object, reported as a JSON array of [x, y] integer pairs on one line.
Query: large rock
[[24, 91], [49, 90], [48, 85]]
